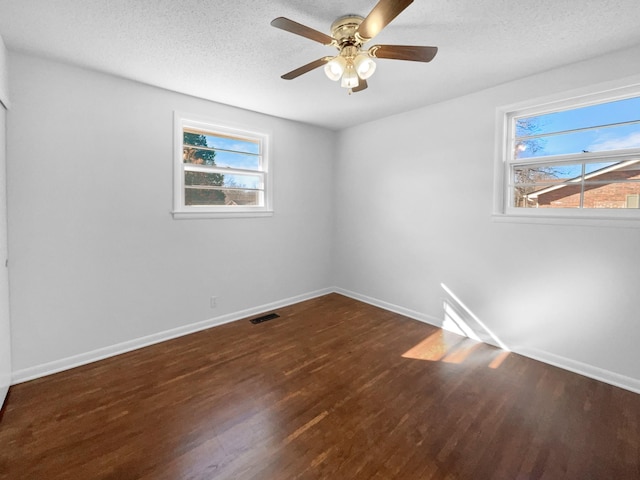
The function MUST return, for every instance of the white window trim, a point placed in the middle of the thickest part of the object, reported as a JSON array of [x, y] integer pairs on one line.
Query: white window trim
[[180, 210], [609, 91]]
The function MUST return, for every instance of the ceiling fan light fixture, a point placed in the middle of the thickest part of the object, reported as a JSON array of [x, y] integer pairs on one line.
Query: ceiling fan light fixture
[[350, 77], [335, 68], [354, 63], [364, 65]]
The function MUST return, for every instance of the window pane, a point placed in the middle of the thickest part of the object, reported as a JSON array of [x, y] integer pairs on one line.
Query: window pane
[[199, 156], [598, 167], [198, 196], [223, 189], [559, 196], [237, 160], [243, 197], [223, 180], [597, 140], [606, 185], [236, 144], [203, 179], [221, 167], [564, 195], [547, 174], [623, 170], [522, 198], [582, 157], [594, 115], [611, 195], [220, 197], [243, 181]]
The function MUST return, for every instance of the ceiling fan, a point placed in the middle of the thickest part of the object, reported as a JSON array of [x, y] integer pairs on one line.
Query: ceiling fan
[[354, 65]]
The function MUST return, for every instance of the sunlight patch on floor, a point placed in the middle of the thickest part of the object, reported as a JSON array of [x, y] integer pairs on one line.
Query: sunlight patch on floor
[[433, 348], [499, 360], [460, 353], [462, 334], [447, 347], [442, 346]]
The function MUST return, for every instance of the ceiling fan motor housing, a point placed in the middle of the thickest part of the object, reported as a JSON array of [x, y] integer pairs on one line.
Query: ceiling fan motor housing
[[352, 66], [343, 30]]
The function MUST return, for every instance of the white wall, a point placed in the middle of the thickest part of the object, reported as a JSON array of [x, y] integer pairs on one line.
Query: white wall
[[4, 74], [97, 260], [414, 205], [5, 324]]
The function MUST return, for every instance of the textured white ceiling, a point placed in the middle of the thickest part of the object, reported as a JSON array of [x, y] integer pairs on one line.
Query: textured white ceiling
[[226, 51]]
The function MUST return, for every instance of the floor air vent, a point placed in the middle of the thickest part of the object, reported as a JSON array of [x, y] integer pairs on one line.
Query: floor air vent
[[264, 318]]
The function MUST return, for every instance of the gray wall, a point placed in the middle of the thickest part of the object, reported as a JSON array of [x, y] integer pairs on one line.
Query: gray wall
[[5, 324], [387, 212], [97, 259], [415, 213]]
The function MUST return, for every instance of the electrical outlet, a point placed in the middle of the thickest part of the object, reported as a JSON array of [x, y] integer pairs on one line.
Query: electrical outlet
[[214, 302]]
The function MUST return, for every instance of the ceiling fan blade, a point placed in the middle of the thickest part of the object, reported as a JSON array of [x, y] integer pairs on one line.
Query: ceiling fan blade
[[306, 68], [362, 84], [404, 52], [380, 16], [302, 30]]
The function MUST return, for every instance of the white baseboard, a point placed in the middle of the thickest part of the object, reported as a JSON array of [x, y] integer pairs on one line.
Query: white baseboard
[[19, 376], [31, 373], [584, 369], [436, 322], [3, 394], [606, 376]]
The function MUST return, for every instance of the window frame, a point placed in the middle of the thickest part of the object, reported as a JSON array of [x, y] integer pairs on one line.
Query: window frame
[[504, 211], [206, 124]]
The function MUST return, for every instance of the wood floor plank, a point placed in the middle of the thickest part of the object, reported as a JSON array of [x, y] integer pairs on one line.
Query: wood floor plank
[[333, 389]]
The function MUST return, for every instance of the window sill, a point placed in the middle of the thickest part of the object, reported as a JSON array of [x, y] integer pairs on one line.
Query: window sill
[[232, 214], [587, 220]]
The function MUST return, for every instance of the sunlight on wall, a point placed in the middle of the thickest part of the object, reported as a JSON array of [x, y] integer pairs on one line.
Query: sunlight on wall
[[453, 322], [460, 339], [459, 317]]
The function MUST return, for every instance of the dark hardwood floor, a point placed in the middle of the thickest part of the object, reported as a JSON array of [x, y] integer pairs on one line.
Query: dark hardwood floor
[[332, 389]]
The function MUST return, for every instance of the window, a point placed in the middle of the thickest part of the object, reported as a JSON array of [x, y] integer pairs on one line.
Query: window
[[219, 171], [577, 158]]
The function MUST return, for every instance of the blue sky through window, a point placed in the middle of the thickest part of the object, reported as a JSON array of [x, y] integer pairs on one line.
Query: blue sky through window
[[234, 152], [599, 139], [236, 160], [234, 144]]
